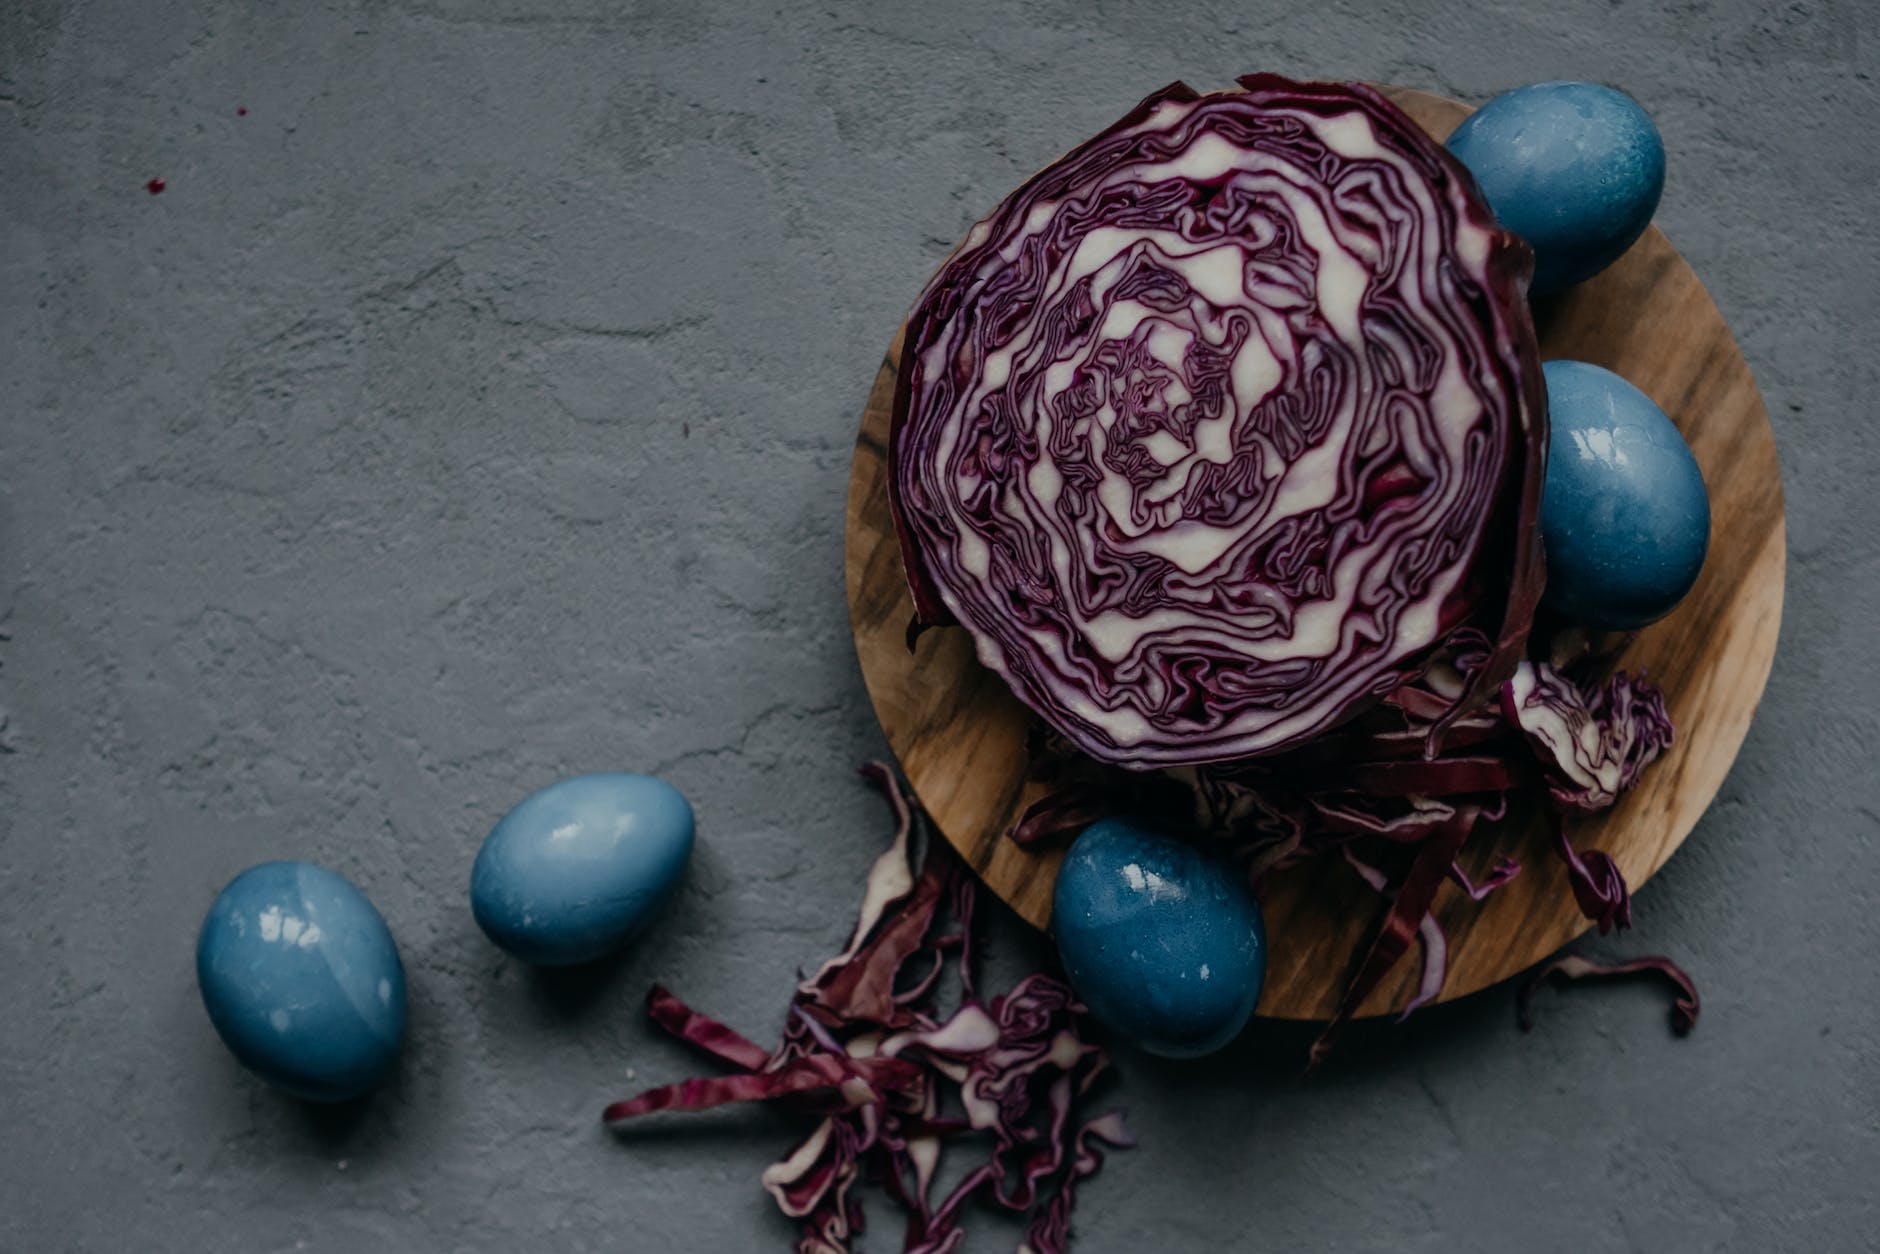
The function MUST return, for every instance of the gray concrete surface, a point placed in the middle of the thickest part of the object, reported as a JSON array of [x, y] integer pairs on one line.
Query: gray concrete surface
[[476, 409]]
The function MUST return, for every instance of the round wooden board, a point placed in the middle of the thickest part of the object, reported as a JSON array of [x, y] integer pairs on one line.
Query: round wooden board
[[960, 734]]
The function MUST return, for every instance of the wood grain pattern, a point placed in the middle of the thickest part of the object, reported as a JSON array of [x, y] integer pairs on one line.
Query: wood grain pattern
[[960, 734]]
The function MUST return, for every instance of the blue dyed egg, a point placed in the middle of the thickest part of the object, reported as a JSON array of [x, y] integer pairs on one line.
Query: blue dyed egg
[[302, 980], [1165, 944], [1575, 169], [1625, 519], [581, 867]]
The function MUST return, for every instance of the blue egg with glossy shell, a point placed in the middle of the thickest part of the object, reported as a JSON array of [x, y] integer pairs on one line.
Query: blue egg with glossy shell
[[302, 980], [1165, 944], [1625, 518], [1576, 169], [581, 867]]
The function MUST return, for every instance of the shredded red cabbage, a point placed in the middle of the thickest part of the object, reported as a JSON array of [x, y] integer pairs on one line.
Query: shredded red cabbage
[[1574, 967], [1593, 743], [1374, 785], [1505, 869], [865, 1048], [1599, 887], [1225, 422]]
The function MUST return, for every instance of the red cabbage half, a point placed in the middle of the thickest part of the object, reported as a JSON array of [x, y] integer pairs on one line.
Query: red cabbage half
[[1220, 426]]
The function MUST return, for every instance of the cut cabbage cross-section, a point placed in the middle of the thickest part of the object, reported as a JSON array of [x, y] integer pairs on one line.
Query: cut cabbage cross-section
[[1220, 425]]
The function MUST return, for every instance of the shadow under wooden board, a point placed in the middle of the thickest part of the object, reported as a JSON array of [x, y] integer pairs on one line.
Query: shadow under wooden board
[[960, 734]]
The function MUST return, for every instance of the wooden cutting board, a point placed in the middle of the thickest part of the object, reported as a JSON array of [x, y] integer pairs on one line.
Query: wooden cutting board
[[960, 735]]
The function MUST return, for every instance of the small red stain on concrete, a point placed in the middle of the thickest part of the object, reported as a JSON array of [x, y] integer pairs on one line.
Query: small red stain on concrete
[[241, 111], [155, 187]]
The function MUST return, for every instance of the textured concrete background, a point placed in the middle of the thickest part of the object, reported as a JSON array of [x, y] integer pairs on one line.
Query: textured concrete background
[[476, 409]]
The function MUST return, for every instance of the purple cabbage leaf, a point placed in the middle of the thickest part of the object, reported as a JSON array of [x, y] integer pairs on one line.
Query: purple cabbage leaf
[[1573, 967]]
